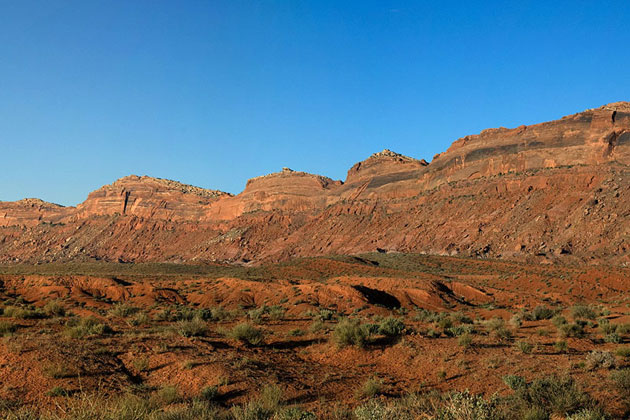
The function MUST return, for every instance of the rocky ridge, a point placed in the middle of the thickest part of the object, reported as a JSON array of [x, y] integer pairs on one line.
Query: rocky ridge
[[555, 190]]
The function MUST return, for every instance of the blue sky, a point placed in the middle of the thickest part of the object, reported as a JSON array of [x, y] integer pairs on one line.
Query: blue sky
[[212, 93]]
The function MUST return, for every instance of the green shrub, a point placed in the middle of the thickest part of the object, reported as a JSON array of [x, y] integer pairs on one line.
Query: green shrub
[[168, 395], [372, 410], [572, 330], [466, 406], [82, 327], [58, 371], [461, 330], [54, 308], [514, 381], [247, 334], [583, 312], [276, 312], [494, 324], [503, 334], [524, 347], [606, 327], [7, 327], [256, 314], [370, 388], [141, 364], [297, 332], [219, 313], [316, 326], [623, 352], [465, 341], [622, 381], [141, 318], [325, 315], [391, 327], [122, 310], [23, 313], [431, 333], [558, 321], [350, 332], [600, 359], [559, 396], [195, 327], [516, 321], [561, 346], [612, 338], [535, 413], [542, 312], [270, 397], [588, 414]]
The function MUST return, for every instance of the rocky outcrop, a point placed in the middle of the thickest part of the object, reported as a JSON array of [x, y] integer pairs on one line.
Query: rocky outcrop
[[556, 190], [588, 138], [30, 212], [150, 198]]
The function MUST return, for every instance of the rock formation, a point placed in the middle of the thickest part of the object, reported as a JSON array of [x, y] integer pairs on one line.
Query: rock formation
[[556, 190]]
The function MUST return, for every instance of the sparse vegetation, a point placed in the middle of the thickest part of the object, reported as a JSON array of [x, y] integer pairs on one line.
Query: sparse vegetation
[[370, 388], [83, 327], [600, 359], [349, 332], [247, 333], [195, 327], [7, 328], [583, 312]]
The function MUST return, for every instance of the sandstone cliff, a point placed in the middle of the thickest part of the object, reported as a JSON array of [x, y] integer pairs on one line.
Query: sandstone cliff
[[556, 190]]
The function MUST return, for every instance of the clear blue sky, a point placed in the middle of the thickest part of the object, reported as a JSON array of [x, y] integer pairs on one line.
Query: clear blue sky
[[212, 93]]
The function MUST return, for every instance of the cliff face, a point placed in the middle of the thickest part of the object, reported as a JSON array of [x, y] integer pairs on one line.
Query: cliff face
[[148, 197], [588, 138], [553, 190], [30, 212]]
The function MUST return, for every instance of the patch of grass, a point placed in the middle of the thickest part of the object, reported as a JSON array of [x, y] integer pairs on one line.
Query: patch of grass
[[370, 388], [558, 321], [83, 327], [391, 327], [622, 381], [141, 318], [316, 326], [600, 359], [195, 327], [524, 347], [583, 312], [514, 381], [58, 391], [168, 395], [561, 346], [296, 332], [503, 335], [7, 328], [247, 334], [465, 341], [122, 310], [276, 312], [54, 308], [141, 364], [349, 332], [23, 312], [59, 370], [572, 330], [542, 312], [623, 351]]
